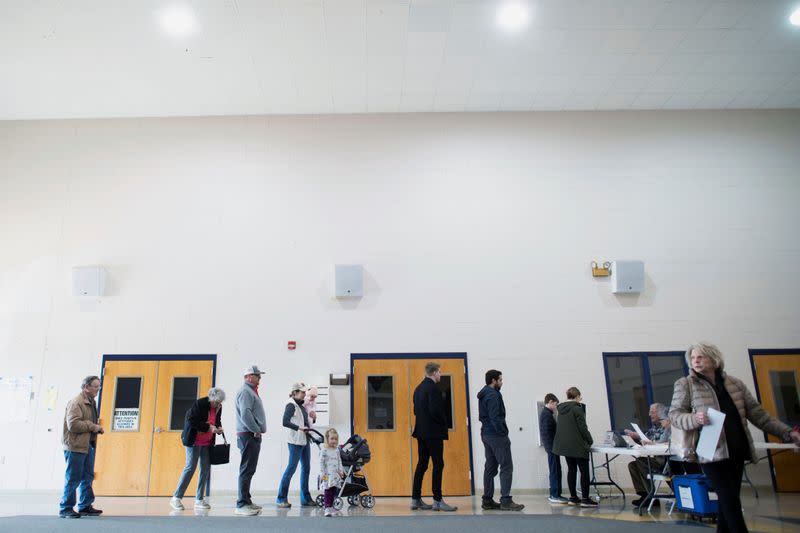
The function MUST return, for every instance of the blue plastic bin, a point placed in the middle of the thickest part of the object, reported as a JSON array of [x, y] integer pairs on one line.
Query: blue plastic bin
[[694, 494]]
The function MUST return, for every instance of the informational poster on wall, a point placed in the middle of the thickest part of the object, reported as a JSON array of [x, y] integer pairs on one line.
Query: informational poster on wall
[[321, 407], [16, 395], [126, 420]]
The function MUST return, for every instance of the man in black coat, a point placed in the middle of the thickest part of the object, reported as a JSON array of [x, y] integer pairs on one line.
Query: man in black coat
[[430, 430]]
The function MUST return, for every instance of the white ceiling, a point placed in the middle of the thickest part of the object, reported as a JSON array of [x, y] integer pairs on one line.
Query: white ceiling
[[110, 58]]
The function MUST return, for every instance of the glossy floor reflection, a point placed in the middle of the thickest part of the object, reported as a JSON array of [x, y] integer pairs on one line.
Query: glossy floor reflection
[[772, 513]]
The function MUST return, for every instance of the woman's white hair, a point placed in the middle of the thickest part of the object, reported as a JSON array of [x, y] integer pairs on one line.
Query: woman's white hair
[[216, 395], [710, 351]]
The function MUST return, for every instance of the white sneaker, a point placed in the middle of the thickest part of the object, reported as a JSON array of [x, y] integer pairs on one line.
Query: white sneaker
[[328, 511], [246, 511], [256, 507], [201, 504], [176, 504]]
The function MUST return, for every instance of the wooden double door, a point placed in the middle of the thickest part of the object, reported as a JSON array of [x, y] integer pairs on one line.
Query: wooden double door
[[383, 413], [777, 376], [142, 408]]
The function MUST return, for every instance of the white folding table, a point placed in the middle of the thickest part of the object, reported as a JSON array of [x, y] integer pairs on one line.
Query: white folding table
[[612, 453]]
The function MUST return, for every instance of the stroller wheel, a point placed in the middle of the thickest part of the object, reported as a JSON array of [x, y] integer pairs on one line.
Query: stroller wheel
[[368, 501], [338, 503], [320, 500], [352, 500]]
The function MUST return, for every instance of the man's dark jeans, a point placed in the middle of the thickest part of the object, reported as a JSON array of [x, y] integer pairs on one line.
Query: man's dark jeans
[[554, 464], [498, 454], [429, 449], [250, 446]]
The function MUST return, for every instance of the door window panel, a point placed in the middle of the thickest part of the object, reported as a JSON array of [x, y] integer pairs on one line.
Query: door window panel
[[380, 403], [446, 388], [787, 397], [184, 394], [127, 396]]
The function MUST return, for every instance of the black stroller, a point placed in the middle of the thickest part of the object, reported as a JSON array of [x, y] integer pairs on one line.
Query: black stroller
[[355, 454]]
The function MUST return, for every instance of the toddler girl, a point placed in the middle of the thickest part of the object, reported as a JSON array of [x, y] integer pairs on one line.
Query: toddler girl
[[330, 470]]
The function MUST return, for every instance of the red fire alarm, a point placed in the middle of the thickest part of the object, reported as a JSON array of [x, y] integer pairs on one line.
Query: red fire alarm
[[292, 345]]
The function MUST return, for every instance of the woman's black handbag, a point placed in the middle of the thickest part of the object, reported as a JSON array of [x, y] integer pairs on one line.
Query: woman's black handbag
[[220, 454]]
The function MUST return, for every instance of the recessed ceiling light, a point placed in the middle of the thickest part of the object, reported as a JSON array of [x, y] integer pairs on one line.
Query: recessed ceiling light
[[795, 17], [178, 20], [513, 16]]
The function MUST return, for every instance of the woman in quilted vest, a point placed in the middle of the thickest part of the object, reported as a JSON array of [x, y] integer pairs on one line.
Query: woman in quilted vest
[[295, 420], [708, 386]]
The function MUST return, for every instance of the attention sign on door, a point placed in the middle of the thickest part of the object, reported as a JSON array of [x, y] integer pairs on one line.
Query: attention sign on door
[[126, 420]]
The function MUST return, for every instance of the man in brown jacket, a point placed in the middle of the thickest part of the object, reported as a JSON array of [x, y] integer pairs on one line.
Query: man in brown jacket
[[79, 438]]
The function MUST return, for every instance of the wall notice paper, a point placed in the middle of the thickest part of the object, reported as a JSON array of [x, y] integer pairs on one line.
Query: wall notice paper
[[15, 397], [126, 420], [639, 431], [323, 406], [709, 434], [52, 397], [685, 494]]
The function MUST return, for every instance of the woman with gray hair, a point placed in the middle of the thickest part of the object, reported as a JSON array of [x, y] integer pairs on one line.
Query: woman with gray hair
[[203, 420], [708, 386]]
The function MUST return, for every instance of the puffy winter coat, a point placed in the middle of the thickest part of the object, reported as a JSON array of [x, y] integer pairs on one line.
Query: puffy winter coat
[[692, 394]]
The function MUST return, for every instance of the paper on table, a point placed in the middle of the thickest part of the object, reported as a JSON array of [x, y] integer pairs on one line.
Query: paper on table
[[657, 447], [709, 434], [639, 431]]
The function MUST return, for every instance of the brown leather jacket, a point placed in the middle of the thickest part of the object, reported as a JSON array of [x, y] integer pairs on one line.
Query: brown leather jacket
[[78, 424], [693, 394]]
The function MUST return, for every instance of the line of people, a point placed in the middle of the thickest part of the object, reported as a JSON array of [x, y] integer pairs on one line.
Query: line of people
[[706, 386], [204, 420]]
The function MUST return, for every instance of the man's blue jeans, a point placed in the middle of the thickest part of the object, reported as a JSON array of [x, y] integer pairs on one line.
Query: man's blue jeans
[[79, 475], [301, 454], [554, 465], [250, 446]]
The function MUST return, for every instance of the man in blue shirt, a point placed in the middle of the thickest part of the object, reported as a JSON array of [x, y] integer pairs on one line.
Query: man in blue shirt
[[497, 445]]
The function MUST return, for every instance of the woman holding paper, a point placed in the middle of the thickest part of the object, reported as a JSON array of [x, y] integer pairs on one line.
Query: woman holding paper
[[708, 387]]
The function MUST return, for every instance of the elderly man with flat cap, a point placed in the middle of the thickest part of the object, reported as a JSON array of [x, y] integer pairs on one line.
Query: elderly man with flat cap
[[251, 423]]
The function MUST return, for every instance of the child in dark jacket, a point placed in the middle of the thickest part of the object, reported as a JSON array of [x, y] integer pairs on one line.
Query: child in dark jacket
[[574, 442], [547, 432]]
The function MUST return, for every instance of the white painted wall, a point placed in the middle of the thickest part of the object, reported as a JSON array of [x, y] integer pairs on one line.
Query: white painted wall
[[476, 232]]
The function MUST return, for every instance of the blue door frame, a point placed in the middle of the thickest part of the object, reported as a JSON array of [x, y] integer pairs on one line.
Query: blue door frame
[[445, 355]]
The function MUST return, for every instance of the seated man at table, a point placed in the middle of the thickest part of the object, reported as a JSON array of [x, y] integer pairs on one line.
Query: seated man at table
[[658, 432]]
